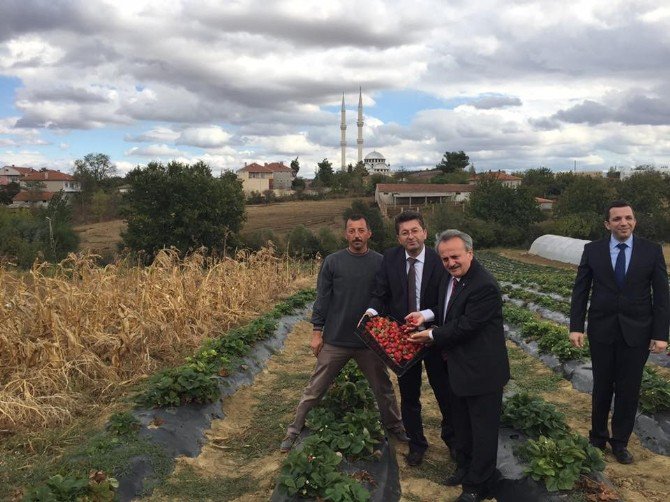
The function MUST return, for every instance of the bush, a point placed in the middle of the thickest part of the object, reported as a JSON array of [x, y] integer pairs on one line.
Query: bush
[[329, 242], [29, 234], [182, 206], [301, 243], [258, 239]]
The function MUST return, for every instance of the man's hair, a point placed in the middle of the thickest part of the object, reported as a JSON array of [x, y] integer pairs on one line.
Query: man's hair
[[447, 235], [356, 217], [408, 216], [616, 203]]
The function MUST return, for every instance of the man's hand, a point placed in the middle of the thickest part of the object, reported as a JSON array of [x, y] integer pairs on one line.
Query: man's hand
[[421, 337], [415, 319], [577, 339], [658, 346], [317, 342], [368, 313]]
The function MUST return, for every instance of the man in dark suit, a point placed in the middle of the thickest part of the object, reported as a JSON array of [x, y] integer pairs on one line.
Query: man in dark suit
[[627, 280], [406, 282], [470, 333]]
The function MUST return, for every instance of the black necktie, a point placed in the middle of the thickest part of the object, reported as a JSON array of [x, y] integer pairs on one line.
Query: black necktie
[[620, 266], [411, 286]]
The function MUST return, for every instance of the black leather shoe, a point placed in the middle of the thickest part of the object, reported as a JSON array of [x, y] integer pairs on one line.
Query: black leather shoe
[[469, 497], [622, 455], [415, 457], [456, 478]]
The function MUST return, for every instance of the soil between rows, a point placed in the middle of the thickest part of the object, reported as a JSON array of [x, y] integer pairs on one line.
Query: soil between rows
[[240, 460]]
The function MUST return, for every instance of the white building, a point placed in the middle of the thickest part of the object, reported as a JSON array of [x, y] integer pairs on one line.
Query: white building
[[375, 163]]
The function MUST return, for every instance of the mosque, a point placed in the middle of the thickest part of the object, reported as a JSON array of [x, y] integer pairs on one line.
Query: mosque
[[374, 162]]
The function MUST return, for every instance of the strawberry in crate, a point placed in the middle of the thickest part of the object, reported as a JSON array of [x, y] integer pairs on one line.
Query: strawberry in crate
[[390, 340]]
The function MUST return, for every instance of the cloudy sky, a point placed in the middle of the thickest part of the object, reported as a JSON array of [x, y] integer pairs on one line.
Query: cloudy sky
[[515, 84]]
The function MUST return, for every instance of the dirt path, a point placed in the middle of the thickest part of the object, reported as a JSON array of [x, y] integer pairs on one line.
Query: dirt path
[[240, 461]]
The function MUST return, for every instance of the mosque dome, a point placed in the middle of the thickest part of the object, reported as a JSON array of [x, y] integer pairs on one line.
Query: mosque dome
[[374, 156]]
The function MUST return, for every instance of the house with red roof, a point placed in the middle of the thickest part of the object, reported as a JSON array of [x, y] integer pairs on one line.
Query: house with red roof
[[259, 178], [38, 187], [53, 181]]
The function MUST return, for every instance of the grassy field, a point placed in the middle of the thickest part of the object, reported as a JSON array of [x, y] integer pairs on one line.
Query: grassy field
[[284, 216], [103, 238]]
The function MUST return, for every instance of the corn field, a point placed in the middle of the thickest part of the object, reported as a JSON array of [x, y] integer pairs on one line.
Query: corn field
[[77, 334]]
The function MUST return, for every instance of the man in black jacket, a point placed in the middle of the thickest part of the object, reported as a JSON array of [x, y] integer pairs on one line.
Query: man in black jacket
[[627, 280], [408, 281], [470, 333]]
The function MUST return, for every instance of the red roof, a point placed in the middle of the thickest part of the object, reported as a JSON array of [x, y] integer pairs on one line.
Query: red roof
[[27, 196], [279, 167], [540, 200], [424, 187], [273, 167], [47, 175]]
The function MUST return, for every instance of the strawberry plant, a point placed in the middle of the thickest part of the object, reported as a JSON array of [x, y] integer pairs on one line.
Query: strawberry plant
[[655, 392], [560, 461], [97, 488], [345, 424], [123, 424], [312, 472], [533, 416], [181, 385]]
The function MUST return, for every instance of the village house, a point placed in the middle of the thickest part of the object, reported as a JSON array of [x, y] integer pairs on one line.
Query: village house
[[38, 187], [260, 178], [11, 174]]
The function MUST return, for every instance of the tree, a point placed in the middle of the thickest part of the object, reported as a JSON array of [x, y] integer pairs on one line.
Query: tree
[[538, 181], [295, 166], [453, 161], [8, 191], [493, 201], [61, 238], [586, 195], [645, 191], [324, 173], [298, 184], [92, 170], [183, 206]]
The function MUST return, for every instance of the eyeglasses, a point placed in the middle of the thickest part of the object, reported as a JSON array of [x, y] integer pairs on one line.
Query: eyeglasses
[[413, 231]]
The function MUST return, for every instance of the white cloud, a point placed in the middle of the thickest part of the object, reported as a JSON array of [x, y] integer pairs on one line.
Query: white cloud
[[204, 137], [154, 151]]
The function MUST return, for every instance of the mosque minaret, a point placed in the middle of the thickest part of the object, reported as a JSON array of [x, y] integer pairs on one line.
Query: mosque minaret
[[359, 123], [374, 162], [343, 140]]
